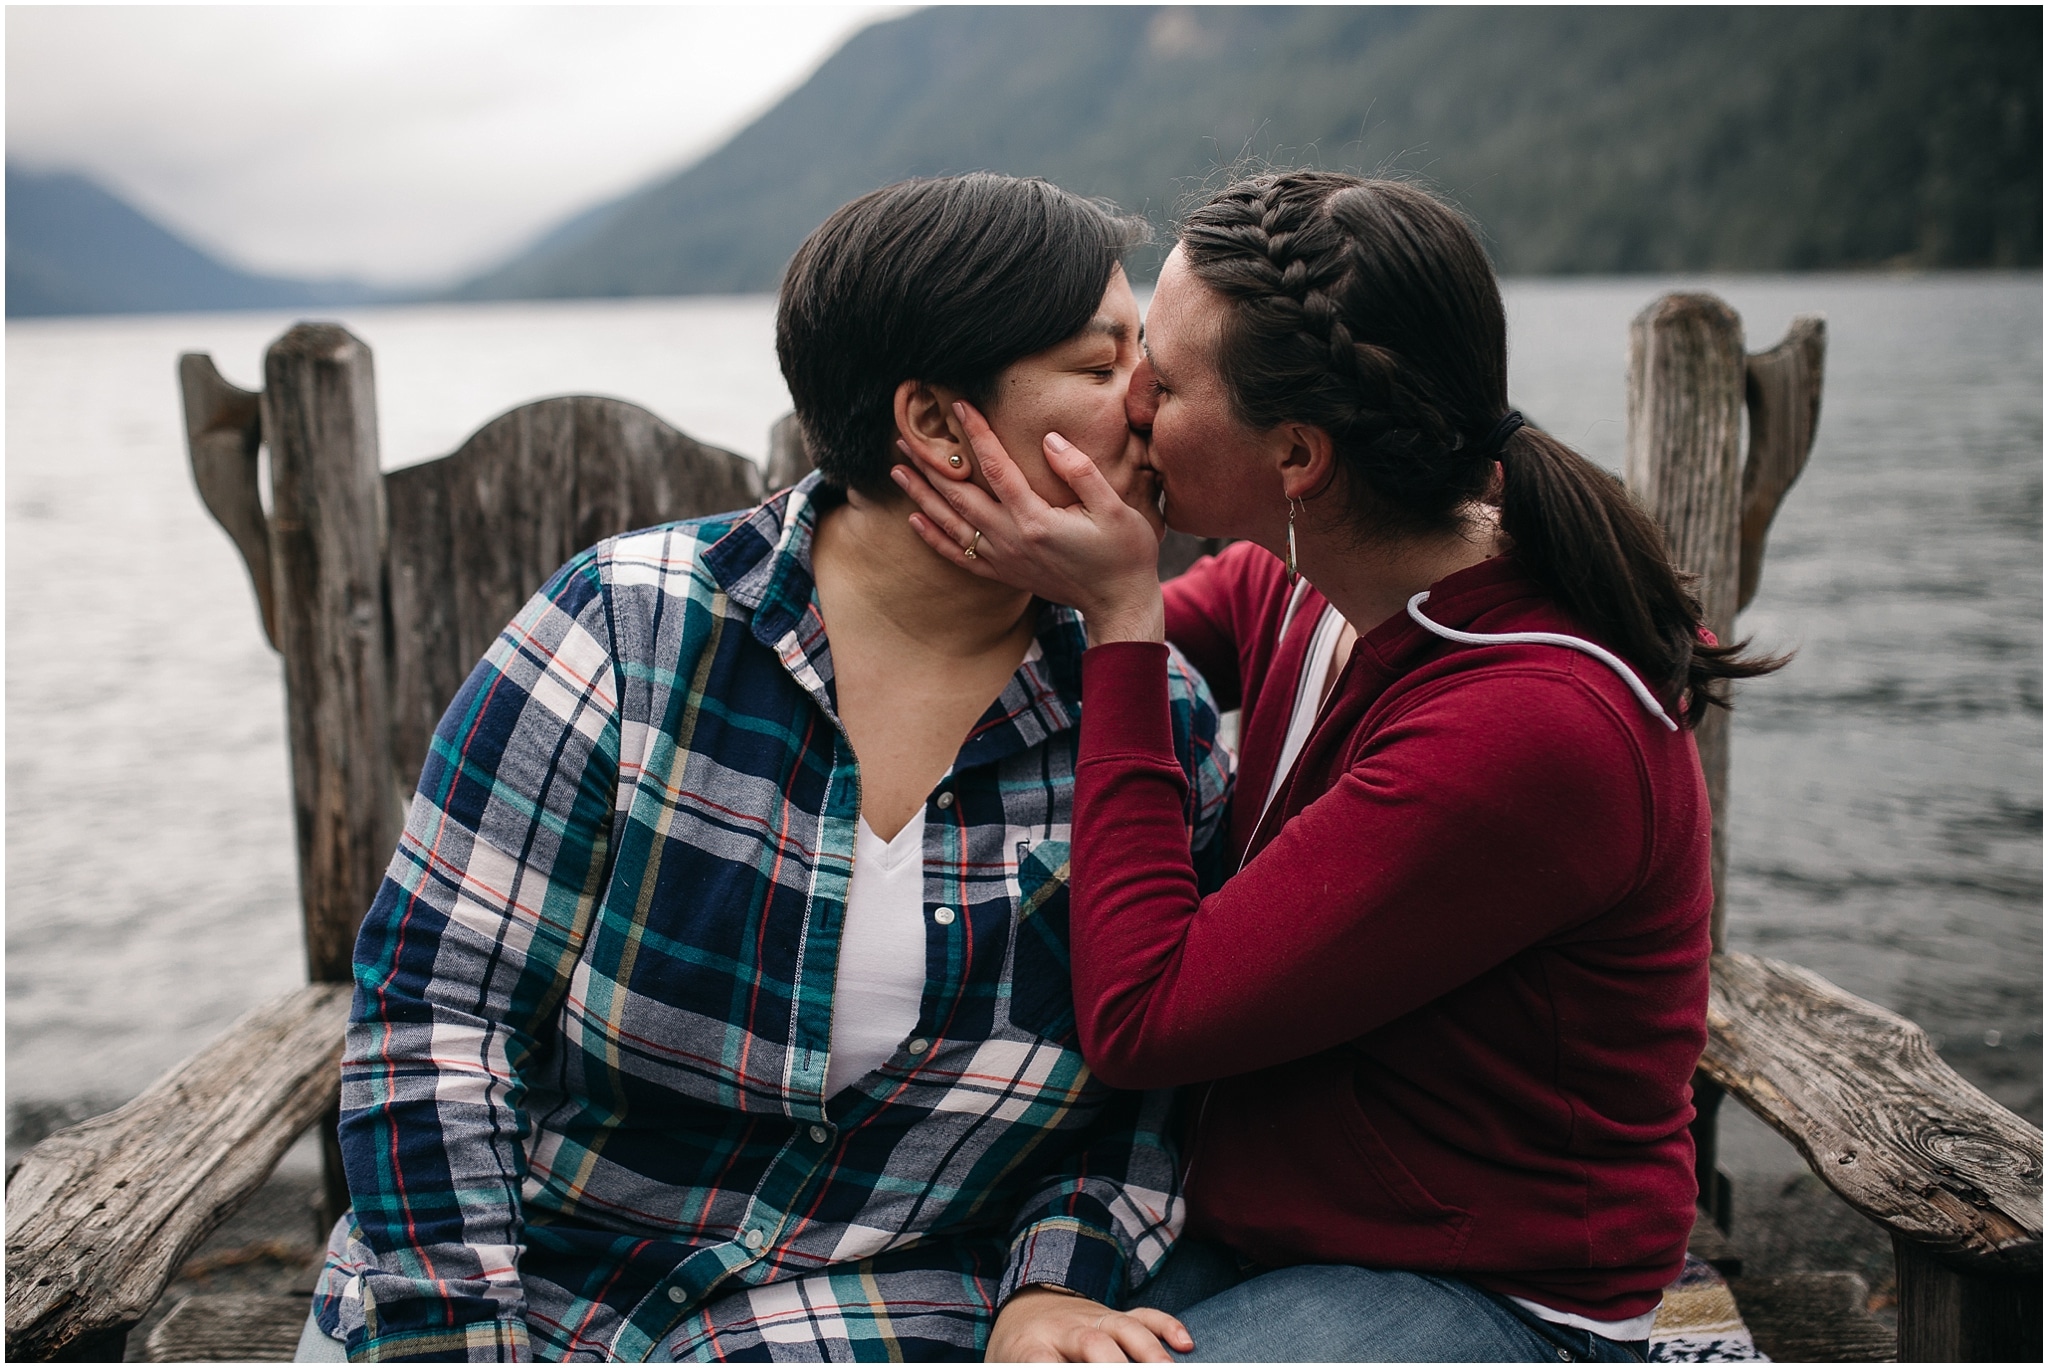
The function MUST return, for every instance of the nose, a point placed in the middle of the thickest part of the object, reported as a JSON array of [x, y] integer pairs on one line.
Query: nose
[[1143, 400]]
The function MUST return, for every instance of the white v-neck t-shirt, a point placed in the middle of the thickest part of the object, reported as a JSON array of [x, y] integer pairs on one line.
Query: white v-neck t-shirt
[[878, 988]]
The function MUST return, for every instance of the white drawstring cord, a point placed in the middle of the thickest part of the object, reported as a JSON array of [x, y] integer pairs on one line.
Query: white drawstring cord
[[1599, 653]]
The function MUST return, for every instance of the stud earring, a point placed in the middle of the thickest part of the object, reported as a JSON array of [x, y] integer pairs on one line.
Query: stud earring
[[956, 460], [1293, 574]]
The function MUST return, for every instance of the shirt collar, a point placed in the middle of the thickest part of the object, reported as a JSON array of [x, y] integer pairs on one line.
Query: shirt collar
[[763, 564]]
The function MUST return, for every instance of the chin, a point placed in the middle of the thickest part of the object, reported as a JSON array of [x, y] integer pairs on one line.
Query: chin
[[1190, 521]]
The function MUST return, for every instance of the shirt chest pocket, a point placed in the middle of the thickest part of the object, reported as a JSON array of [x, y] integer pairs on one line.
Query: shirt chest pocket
[[1041, 983]]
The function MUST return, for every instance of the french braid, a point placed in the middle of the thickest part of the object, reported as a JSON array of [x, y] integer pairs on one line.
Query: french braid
[[1368, 309], [1308, 347]]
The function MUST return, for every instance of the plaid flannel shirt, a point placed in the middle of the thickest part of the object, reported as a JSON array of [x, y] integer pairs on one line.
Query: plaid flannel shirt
[[583, 1109]]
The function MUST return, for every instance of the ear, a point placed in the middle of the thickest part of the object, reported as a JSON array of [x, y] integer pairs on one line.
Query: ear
[[1306, 457], [925, 424]]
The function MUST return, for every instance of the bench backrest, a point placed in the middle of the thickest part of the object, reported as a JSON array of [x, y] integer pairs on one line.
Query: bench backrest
[[382, 590]]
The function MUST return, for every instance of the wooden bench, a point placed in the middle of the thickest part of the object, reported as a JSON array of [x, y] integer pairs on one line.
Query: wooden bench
[[379, 591]]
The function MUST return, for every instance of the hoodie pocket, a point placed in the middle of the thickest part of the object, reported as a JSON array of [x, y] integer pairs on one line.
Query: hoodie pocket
[[1438, 1230]]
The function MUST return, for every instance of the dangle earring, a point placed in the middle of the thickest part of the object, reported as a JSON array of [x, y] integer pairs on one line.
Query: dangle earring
[[1293, 574]]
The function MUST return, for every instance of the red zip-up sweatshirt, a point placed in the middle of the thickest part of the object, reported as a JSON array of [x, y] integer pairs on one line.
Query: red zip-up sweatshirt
[[1454, 997]]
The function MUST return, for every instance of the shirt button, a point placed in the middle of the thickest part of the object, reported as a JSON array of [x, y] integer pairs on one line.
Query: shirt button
[[920, 1045], [819, 1135], [945, 800], [944, 916], [676, 1294], [755, 1239]]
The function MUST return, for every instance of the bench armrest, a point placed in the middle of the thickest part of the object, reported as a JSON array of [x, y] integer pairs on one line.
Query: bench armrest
[[1898, 1134], [101, 1214]]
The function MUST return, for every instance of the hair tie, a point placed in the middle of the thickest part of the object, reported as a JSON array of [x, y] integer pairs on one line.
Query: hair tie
[[1498, 438]]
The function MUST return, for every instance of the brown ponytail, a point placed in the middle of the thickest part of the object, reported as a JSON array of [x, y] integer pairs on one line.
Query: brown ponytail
[[1369, 309]]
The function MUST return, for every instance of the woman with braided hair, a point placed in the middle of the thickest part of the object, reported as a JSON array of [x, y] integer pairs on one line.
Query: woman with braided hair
[[1447, 1011]]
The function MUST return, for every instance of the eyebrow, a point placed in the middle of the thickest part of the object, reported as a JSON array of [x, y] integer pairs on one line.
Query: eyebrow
[[1110, 327]]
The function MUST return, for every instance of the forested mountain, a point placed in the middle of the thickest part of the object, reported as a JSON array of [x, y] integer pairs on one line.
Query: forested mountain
[[74, 248], [1582, 139]]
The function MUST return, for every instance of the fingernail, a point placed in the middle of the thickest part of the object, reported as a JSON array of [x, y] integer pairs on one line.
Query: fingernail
[[1054, 439], [959, 410], [900, 475], [903, 446]]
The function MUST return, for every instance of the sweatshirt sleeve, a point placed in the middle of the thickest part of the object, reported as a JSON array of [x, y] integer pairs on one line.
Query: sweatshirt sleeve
[[1497, 808]]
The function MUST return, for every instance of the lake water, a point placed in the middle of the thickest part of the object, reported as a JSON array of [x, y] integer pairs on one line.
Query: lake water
[[1886, 818]]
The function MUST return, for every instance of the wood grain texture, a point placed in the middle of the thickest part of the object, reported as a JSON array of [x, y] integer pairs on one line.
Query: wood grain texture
[[1896, 1132], [1686, 374], [1782, 390], [1813, 1318], [100, 1215], [223, 431], [1946, 1316], [327, 550], [231, 1327], [474, 534], [789, 459]]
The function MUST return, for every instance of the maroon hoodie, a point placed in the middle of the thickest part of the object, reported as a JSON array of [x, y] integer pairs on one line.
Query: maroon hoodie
[[1454, 998]]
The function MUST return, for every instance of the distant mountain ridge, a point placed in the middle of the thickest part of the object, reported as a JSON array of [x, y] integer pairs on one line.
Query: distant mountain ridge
[[1582, 139], [76, 248]]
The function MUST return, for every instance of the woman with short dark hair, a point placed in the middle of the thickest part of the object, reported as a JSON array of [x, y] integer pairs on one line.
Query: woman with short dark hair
[[716, 1002], [1453, 997]]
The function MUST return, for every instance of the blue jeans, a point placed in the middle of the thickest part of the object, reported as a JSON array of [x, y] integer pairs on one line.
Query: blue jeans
[[1338, 1313], [316, 1347]]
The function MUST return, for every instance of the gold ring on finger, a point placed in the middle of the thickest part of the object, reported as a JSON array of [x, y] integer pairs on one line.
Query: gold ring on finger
[[972, 542]]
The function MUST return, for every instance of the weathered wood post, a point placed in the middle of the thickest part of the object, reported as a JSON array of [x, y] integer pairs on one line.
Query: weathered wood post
[[223, 433], [327, 522], [327, 554], [1949, 1315], [1689, 382], [1684, 462], [788, 459]]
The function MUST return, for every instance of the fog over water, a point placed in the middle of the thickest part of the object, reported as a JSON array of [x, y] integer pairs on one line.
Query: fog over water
[[1886, 811]]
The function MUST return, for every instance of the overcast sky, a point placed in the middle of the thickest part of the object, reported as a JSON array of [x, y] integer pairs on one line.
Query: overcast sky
[[404, 145]]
